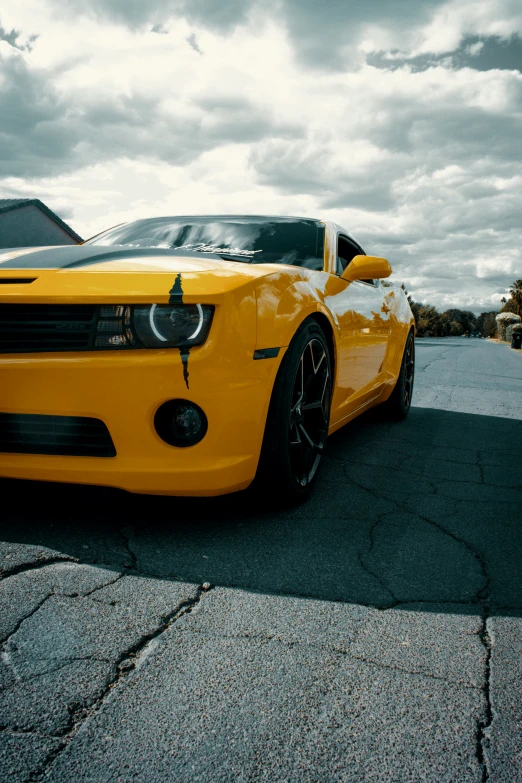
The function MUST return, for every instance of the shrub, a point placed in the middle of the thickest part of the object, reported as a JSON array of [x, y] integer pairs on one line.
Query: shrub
[[504, 320]]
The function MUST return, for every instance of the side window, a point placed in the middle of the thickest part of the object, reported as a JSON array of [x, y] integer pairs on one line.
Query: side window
[[345, 252]]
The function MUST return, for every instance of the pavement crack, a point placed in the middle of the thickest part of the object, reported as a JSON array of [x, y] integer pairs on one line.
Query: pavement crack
[[25, 567], [481, 468], [101, 587], [438, 359], [483, 727], [333, 649], [484, 592], [404, 670], [5, 640], [369, 571], [483, 598], [133, 559], [126, 663], [131, 658]]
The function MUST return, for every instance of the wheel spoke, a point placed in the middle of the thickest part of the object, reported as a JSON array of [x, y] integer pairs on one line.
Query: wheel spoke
[[306, 436], [300, 373], [319, 447], [297, 441], [326, 379], [311, 406], [317, 366]]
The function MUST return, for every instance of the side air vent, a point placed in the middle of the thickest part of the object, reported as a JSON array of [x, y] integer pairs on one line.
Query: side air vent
[[72, 436]]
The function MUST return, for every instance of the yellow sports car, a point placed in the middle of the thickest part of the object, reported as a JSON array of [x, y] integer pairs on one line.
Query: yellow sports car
[[192, 355]]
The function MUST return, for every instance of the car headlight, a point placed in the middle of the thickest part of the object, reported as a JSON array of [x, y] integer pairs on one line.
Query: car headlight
[[172, 326], [153, 326]]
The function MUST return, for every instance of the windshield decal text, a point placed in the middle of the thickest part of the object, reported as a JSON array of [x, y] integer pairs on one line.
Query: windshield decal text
[[201, 247]]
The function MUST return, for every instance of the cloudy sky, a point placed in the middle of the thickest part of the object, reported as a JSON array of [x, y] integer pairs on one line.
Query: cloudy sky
[[399, 119]]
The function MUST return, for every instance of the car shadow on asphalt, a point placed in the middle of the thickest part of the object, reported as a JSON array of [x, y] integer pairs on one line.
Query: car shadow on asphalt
[[426, 511]]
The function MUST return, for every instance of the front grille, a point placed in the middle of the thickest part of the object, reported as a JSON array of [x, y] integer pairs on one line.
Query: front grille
[[73, 436], [32, 328]]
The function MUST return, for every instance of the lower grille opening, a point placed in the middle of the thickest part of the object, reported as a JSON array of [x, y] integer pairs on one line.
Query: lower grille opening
[[72, 436]]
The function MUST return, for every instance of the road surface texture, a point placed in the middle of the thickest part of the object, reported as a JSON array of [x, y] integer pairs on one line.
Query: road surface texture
[[374, 634]]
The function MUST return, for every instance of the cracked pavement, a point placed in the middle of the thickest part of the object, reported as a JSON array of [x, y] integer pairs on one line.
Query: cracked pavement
[[373, 634]]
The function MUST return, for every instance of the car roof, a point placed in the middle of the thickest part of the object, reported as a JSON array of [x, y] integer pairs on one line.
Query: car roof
[[259, 218]]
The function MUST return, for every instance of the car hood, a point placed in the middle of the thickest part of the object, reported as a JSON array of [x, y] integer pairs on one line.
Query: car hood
[[113, 258], [90, 273]]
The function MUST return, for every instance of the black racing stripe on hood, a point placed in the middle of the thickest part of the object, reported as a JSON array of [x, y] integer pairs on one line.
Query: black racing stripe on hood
[[73, 257]]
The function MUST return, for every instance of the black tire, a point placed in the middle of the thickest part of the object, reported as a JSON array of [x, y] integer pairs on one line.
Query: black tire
[[298, 418], [398, 404]]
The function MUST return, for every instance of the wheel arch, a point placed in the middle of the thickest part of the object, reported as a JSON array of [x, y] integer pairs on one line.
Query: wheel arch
[[395, 367], [284, 300]]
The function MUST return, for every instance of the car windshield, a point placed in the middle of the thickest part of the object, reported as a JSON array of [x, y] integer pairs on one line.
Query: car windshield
[[254, 240]]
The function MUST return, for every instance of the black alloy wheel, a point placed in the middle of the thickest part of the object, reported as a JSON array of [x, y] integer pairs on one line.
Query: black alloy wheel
[[298, 417], [398, 404], [309, 412], [409, 371]]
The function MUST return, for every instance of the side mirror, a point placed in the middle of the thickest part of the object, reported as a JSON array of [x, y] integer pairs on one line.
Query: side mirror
[[366, 268]]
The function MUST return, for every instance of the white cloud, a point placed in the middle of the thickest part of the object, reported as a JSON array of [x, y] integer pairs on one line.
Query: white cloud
[[459, 18], [125, 110], [474, 49]]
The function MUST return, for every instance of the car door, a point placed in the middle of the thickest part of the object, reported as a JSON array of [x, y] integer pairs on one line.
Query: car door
[[360, 310]]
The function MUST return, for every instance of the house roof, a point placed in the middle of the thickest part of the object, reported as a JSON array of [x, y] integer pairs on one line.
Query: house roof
[[7, 204]]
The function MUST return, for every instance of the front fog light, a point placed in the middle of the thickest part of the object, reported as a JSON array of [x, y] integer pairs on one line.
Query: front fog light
[[180, 423]]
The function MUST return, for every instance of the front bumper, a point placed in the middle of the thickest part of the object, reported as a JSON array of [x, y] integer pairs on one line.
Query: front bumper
[[124, 390]]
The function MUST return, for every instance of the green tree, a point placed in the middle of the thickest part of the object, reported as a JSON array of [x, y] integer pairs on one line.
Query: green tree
[[415, 306], [486, 324], [465, 318], [509, 306], [428, 321], [516, 296], [445, 324]]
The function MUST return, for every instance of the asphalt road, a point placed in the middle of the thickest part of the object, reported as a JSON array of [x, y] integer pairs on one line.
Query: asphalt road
[[374, 634]]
